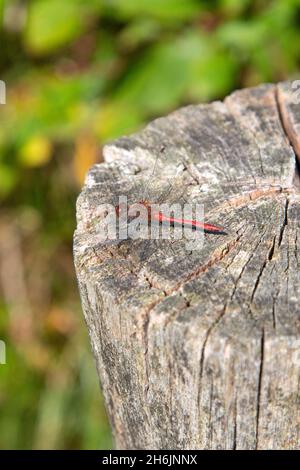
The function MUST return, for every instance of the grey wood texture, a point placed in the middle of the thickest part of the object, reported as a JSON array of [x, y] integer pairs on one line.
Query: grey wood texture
[[199, 349]]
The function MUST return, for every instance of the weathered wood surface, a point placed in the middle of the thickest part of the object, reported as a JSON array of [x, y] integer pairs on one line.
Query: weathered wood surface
[[201, 349]]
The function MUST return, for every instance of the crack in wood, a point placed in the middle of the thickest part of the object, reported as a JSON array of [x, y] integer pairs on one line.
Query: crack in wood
[[285, 222], [272, 249], [202, 359], [259, 386], [234, 446]]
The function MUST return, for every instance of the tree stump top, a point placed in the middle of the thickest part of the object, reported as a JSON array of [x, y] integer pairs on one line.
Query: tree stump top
[[200, 349]]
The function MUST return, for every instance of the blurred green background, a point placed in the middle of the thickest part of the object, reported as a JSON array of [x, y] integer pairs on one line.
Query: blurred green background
[[79, 73]]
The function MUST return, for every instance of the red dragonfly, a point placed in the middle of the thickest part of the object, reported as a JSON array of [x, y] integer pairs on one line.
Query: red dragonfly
[[157, 216]]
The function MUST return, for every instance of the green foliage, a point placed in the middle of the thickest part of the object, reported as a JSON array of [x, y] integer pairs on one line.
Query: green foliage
[[166, 11], [52, 24], [79, 73]]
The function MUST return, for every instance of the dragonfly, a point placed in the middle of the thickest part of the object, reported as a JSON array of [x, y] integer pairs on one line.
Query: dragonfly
[[156, 216], [160, 218]]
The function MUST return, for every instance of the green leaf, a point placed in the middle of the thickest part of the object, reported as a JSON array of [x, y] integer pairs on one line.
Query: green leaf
[[52, 24], [213, 77], [156, 83], [193, 67], [244, 36], [234, 7], [139, 31], [166, 10]]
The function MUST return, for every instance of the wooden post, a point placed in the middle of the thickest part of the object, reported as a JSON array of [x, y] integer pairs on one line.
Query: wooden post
[[199, 349]]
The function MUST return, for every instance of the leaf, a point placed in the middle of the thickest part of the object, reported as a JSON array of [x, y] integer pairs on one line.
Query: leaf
[[243, 36], [234, 7], [213, 77], [165, 10], [157, 82], [52, 24], [139, 31]]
